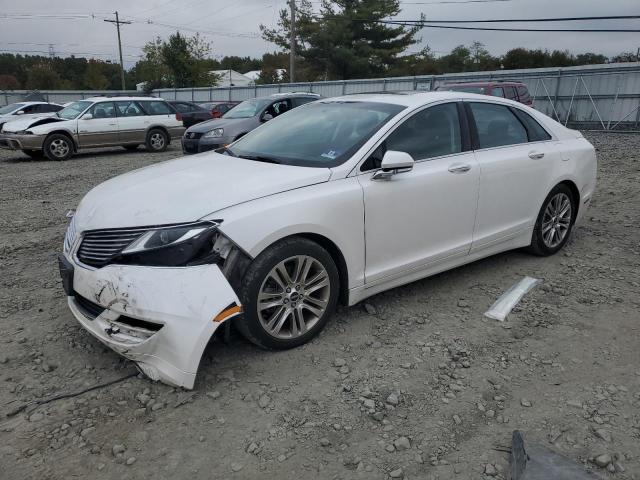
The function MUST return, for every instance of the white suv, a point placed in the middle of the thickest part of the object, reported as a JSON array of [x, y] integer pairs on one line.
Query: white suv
[[95, 122]]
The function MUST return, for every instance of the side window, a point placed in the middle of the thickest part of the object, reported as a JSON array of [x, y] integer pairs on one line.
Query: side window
[[278, 108], [497, 125], [497, 92], [48, 108], [523, 93], [510, 93], [222, 108], [29, 109], [537, 133], [183, 107], [157, 108], [432, 132], [129, 109], [299, 101], [103, 110]]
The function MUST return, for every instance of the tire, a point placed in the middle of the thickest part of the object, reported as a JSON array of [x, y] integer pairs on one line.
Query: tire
[[552, 231], [291, 254], [35, 154], [131, 148], [58, 147], [157, 140]]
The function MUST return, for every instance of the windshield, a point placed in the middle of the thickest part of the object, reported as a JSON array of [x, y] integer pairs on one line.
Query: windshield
[[248, 108], [322, 134], [462, 88], [10, 108], [74, 109]]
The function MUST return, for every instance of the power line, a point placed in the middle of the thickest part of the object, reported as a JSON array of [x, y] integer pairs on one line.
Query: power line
[[94, 54], [493, 29], [509, 20]]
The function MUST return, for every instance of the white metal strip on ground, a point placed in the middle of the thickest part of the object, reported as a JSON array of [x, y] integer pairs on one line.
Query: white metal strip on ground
[[509, 299]]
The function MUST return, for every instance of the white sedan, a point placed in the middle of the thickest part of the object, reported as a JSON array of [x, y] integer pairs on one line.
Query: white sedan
[[334, 201]]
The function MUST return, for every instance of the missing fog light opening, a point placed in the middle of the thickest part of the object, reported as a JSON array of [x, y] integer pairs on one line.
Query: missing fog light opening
[[509, 299]]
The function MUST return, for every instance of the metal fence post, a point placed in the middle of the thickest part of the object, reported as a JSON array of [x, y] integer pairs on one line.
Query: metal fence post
[[344, 87], [555, 95], [384, 84]]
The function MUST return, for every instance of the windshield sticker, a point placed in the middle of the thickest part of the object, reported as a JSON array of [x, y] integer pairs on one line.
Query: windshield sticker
[[331, 154]]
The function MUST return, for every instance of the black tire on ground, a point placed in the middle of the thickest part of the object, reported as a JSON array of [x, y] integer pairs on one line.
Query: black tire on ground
[[157, 140], [58, 146], [34, 153], [249, 323], [546, 220], [131, 148]]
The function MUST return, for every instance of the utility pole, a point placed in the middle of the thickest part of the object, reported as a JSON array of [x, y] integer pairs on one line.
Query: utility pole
[[117, 21], [292, 43], [52, 52]]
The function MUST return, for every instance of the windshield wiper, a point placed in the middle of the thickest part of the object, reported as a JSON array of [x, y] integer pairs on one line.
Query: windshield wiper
[[259, 158], [226, 150]]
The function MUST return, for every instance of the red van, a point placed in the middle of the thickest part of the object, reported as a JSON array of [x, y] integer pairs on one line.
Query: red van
[[512, 90]]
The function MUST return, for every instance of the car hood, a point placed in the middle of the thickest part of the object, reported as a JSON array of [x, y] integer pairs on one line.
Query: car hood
[[187, 189], [234, 123], [30, 122]]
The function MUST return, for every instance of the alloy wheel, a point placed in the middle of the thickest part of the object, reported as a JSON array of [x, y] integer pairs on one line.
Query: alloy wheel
[[157, 141], [293, 297], [556, 220], [59, 148]]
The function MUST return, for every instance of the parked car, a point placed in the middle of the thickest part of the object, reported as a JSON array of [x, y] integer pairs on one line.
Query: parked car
[[218, 108], [335, 201], [241, 119], [95, 122], [190, 113], [22, 110], [512, 90]]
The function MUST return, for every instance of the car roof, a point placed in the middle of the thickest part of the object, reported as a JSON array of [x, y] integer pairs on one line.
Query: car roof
[[292, 94], [411, 98], [119, 99]]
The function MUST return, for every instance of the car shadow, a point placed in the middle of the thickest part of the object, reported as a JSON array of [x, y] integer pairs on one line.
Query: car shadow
[[85, 154]]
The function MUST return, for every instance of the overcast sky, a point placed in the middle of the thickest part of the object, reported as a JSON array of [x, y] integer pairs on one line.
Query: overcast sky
[[232, 26]]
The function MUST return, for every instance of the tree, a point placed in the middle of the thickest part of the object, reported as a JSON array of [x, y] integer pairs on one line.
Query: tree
[[9, 82], [347, 39], [93, 77], [43, 77], [626, 57]]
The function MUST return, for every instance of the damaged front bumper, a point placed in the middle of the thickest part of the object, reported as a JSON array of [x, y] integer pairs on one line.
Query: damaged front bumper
[[160, 317], [13, 141]]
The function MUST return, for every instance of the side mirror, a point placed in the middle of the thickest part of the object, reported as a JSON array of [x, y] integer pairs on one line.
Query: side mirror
[[266, 117], [20, 112], [393, 163], [87, 116]]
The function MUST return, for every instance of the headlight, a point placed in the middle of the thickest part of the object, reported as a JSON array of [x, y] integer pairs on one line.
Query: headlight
[[215, 133]]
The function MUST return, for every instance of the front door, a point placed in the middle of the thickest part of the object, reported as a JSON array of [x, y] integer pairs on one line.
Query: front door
[[418, 218], [101, 129]]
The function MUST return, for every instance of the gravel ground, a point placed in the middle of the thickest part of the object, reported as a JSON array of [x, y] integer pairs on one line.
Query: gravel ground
[[414, 383]]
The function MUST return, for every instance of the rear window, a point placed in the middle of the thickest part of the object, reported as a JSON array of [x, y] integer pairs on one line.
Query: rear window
[[510, 93], [157, 108], [523, 93]]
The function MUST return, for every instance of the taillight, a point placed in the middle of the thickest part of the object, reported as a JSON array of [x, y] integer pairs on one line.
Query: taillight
[[179, 116]]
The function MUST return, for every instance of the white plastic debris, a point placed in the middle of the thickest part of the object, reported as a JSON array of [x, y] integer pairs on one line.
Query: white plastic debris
[[509, 299]]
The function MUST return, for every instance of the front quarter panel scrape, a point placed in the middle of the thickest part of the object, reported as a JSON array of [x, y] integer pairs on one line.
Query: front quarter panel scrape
[[183, 300]]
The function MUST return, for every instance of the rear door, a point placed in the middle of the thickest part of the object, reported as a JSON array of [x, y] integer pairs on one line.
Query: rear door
[[514, 163], [132, 122], [101, 129], [160, 113]]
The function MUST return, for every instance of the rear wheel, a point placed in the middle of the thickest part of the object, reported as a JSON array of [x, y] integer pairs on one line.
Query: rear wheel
[[131, 148], [288, 294], [157, 140], [35, 154], [554, 222], [58, 147]]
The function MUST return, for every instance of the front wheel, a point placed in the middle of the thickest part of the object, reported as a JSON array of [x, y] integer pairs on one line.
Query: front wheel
[[157, 140], [288, 294], [58, 147], [554, 222]]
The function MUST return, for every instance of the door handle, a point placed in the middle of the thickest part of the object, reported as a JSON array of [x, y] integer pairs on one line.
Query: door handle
[[459, 168], [536, 155]]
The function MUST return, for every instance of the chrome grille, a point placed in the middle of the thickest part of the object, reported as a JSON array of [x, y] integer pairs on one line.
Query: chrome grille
[[98, 247]]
